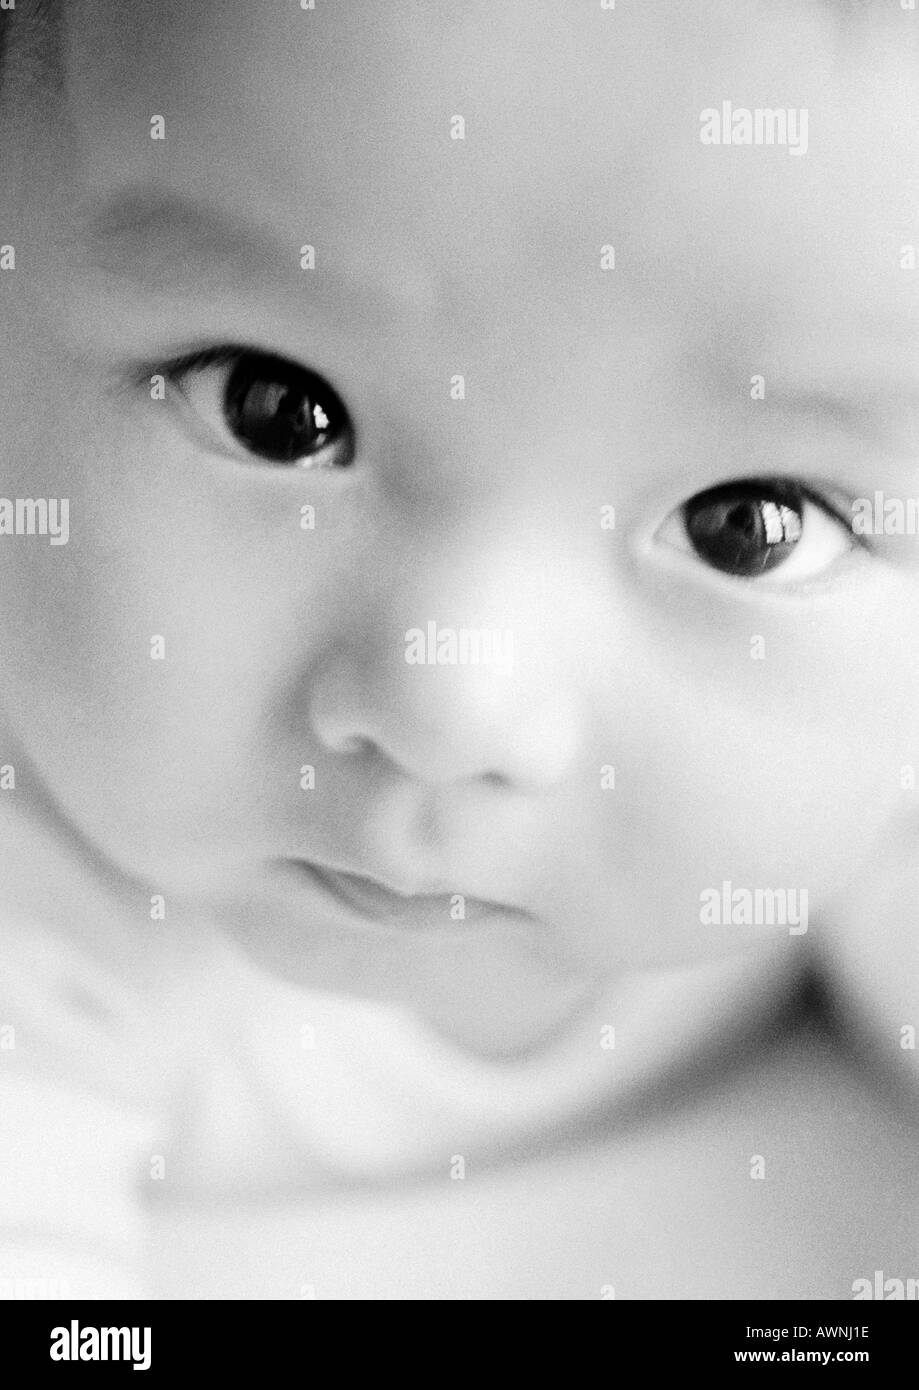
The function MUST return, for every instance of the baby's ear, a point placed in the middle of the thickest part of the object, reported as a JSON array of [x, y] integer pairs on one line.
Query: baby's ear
[[869, 943]]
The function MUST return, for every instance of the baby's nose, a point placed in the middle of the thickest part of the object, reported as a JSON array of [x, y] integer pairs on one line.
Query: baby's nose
[[462, 671]]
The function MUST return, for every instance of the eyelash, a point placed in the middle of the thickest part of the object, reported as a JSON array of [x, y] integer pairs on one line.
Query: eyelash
[[338, 449], [771, 532], [304, 408], [218, 356], [814, 496]]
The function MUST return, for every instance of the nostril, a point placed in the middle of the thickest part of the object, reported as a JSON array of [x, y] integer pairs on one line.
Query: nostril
[[353, 744]]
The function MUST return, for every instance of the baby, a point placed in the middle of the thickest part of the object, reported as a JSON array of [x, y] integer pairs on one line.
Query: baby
[[449, 715]]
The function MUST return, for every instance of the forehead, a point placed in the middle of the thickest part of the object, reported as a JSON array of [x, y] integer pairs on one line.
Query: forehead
[[333, 126]]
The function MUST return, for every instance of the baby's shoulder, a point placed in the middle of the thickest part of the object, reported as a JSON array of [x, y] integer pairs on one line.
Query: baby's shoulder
[[737, 1186]]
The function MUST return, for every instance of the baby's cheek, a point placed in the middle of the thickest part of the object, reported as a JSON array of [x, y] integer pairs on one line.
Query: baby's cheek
[[869, 945], [756, 796]]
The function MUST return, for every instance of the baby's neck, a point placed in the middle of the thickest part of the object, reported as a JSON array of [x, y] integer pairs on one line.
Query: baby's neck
[[49, 874]]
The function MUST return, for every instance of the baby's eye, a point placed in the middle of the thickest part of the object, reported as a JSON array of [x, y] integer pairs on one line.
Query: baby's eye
[[749, 528], [266, 406]]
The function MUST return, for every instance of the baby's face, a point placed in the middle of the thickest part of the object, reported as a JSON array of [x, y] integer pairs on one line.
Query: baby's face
[[305, 471]]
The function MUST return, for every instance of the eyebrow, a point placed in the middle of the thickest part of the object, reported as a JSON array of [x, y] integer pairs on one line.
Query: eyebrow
[[168, 244], [870, 412], [150, 233]]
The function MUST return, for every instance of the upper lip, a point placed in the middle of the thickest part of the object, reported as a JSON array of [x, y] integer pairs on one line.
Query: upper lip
[[408, 896], [398, 890], [417, 890]]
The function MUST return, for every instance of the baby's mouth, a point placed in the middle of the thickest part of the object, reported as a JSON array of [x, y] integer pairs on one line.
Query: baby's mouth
[[371, 900]]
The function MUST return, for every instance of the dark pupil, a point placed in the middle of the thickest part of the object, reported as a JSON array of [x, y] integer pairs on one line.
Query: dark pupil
[[745, 528], [280, 411]]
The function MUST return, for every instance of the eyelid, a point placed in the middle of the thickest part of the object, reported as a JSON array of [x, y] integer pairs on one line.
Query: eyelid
[[178, 370], [221, 356], [832, 501], [796, 574], [139, 372], [836, 508]]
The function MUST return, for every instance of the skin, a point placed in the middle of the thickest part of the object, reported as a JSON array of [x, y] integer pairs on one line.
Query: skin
[[665, 1208], [584, 388]]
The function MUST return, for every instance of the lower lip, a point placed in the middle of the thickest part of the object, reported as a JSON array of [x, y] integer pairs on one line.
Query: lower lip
[[371, 902]]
